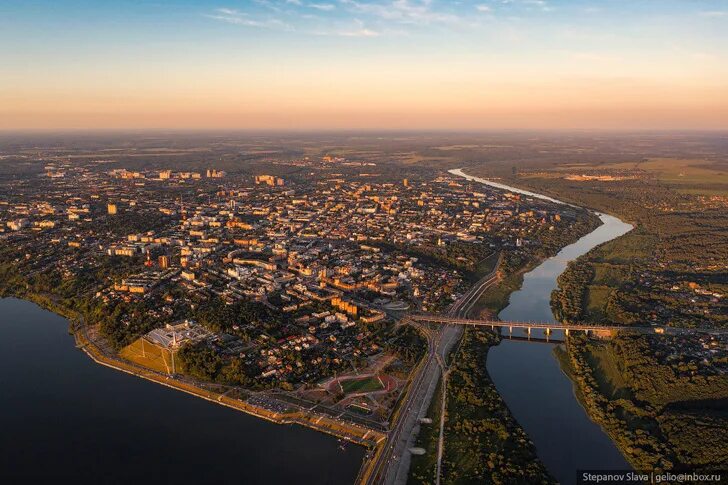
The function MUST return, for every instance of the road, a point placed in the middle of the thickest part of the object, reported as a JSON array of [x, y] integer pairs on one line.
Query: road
[[461, 309], [566, 327], [391, 464]]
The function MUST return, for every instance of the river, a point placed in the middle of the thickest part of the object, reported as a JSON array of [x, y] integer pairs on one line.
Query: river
[[65, 419], [528, 376]]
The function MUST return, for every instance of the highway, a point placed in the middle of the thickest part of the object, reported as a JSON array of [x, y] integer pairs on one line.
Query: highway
[[461, 309], [391, 463]]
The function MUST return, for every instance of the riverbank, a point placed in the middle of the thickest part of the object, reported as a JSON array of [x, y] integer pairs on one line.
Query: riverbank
[[658, 413], [656, 433], [641, 450], [86, 339], [91, 343], [565, 438], [66, 418], [485, 443], [318, 422], [269, 409], [483, 440]]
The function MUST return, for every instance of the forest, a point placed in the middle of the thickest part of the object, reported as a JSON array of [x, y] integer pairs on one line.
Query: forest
[[663, 414], [485, 444], [662, 399]]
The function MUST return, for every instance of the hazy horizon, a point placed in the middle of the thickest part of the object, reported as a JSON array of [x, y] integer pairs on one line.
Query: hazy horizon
[[351, 65]]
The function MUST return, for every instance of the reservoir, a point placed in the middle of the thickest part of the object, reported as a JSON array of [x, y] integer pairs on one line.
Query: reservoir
[[527, 374], [66, 419]]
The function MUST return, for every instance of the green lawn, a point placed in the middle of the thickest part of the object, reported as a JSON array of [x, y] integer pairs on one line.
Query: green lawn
[[369, 384], [597, 301], [606, 372], [609, 274]]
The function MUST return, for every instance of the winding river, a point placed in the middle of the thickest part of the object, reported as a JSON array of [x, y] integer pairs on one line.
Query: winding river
[[65, 417], [528, 376]]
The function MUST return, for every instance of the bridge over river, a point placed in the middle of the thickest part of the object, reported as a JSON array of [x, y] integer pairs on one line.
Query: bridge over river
[[599, 329]]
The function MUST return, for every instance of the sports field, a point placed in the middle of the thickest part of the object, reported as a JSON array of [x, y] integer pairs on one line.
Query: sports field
[[367, 384]]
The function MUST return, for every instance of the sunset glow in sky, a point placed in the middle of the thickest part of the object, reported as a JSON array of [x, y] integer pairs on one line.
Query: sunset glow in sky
[[370, 64]]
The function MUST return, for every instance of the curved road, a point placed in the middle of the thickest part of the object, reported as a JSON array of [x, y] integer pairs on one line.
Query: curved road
[[392, 462]]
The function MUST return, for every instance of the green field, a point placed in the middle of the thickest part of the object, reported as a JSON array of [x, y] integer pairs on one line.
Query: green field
[[686, 173], [609, 274], [606, 372], [634, 246], [597, 301], [368, 384]]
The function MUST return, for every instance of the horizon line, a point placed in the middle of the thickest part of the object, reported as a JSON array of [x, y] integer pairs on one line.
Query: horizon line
[[171, 130]]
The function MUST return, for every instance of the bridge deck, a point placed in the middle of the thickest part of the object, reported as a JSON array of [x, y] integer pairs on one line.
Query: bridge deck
[[533, 325]]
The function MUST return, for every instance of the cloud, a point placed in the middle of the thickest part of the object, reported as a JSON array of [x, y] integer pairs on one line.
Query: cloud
[[715, 13], [391, 17], [269, 4], [542, 5], [363, 32], [358, 29], [326, 7], [236, 17], [413, 12], [296, 21], [354, 32], [527, 5]]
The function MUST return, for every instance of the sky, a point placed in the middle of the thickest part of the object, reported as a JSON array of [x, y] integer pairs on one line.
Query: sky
[[364, 64]]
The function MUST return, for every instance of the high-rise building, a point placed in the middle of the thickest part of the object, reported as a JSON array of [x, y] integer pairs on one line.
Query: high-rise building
[[111, 209], [164, 261]]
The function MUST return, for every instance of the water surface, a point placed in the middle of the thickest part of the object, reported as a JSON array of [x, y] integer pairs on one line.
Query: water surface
[[65, 418], [528, 376]]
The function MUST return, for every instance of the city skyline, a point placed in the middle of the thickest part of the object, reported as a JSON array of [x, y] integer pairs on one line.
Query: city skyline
[[347, 64]]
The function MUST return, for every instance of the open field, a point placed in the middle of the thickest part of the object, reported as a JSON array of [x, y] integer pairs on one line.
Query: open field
[[632, 247], [688, 176], [609, 274], [688, 173], [607, 374], [684, 175], [367, 384], [148, 355], [597, 301]]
